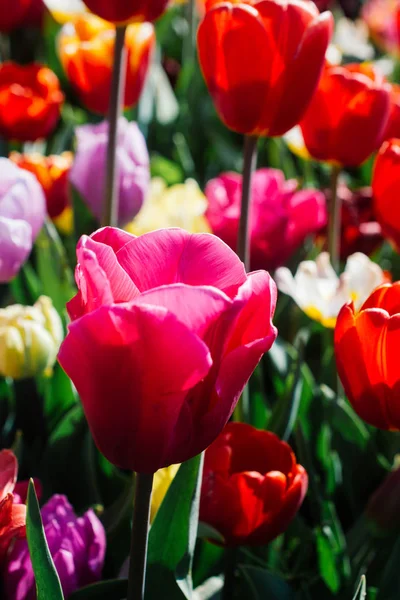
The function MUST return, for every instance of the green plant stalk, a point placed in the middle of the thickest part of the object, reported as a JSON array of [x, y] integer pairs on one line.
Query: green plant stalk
[[110, 207], [249, 165], [242, 409], [139, 536], [335, 218]]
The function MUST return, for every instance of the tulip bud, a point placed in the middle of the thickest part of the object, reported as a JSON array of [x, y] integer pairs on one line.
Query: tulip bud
[[383, 506], [87, 173], [30, 337]]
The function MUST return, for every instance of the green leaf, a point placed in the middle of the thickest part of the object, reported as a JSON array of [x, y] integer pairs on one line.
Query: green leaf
[[84, 221], [53, 268], [209, 533], [115, 589], [173, 536], [326, 551], [47, 580], [299, 391], [167, 169], [260, 584]]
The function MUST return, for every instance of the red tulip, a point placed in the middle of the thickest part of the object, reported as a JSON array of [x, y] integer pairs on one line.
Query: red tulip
[[252, 486], [30, 101], [125, 11], [256, 58], [52, 173], [347, 117], [12, 14], [366, 345], [386, 189], [393, 126], [167, 329], [86, 48], [12, 514]]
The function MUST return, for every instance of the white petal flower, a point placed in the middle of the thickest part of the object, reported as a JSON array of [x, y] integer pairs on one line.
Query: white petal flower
[[351, 38], [320, 293], [65, 10]]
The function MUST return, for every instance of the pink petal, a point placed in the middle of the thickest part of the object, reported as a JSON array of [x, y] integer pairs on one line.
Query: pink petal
[[196, 307], [170, 256], [113, 237], [121, 286], [133, 366], [253, 335]]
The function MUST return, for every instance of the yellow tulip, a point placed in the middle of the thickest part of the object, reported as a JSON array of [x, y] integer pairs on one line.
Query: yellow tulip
[[181, 205], [30, 337]]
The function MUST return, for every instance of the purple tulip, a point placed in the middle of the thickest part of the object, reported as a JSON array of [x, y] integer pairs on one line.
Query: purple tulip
[[133, 173], [77, 545], [281, 216], [22, 213]]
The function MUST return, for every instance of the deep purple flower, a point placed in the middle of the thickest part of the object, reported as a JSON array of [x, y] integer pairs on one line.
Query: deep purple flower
[[22, 213], [88, 171], [281, 216], [77, 545]]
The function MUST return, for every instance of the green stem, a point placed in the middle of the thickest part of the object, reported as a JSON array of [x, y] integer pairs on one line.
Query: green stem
[[189, 43], [139, 536], [335, 217], [249, 165], [229, 573], [110, 209]]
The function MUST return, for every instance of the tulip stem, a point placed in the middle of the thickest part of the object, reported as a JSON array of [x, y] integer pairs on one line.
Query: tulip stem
[[249, 164], [139, 536], [335, 217], [110, 208], [229, 573]]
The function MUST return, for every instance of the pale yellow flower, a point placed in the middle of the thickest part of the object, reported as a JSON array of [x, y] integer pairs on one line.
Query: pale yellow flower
[[30, 337], [162, 480], [181, 205], [321, 293], [295, 142], [65, 10]]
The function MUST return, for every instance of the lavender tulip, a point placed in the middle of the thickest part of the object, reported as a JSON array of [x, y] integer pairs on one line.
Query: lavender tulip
[[22, 213], [77, 545], [88, 171]]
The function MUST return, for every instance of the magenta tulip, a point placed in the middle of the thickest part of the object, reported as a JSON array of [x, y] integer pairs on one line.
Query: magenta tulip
[[167, 329], [77, 546], [281, 216]]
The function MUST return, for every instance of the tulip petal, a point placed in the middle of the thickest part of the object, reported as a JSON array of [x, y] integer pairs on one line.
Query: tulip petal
[[198, 308], [132, 366], [359, 358], [15, 246], [8, 472], [121, 286], [252, 335], [175, 256], [113, 237], [229, 37]]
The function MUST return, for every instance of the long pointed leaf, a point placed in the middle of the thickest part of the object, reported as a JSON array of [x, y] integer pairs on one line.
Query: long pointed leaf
[[47, 580]]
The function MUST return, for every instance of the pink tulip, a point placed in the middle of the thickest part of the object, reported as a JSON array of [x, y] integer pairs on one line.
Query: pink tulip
[[281, 217], [166, 330]]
